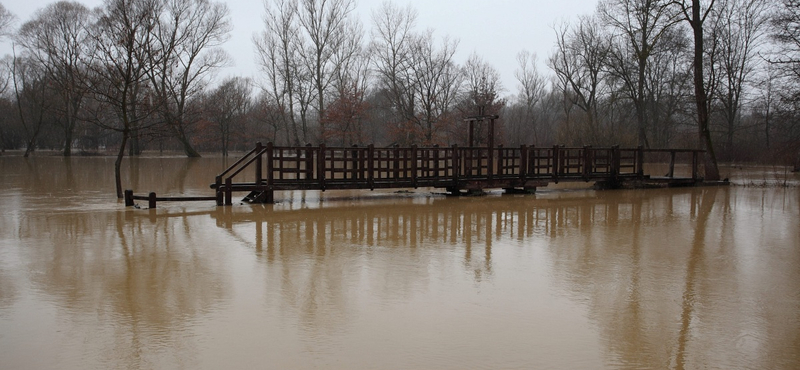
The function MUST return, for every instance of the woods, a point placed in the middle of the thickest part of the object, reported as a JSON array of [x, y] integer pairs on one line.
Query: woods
[[140, 75]]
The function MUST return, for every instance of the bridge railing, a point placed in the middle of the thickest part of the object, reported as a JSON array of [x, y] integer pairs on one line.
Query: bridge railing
[[367, 167]]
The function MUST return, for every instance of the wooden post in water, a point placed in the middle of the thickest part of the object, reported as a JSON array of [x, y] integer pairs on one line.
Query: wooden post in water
[[671, 172], [587, 162], [396, 162], [128, 198], [455, 161], [490, 165], [270, 196], [321, 166], [615, 162], [259, 163], [640, 161], [371, 166], [414, 165], [436, 173], [309, 163], [228, 191], [151, 200], [556, 163], [218, 190]]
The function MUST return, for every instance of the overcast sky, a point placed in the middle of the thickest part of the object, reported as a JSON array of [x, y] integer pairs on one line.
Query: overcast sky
[[497, 30]]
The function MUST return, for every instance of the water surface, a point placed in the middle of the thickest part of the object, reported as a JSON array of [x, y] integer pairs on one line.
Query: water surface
[[629, 279]]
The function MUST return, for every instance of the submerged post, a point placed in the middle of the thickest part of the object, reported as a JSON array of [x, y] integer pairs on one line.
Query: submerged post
[[640, 161], [671, 172], [615, 162], [218, 190], [556, 163], [129, 198], [588, 160]]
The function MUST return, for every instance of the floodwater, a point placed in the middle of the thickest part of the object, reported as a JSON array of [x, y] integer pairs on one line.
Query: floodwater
[[697, 278]]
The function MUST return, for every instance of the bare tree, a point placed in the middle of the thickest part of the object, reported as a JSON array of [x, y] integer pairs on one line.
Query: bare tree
[[277, 49], [119, 70], [324, 23], [639, 26], [741, 25], [579, 62], [531, 91], [226, 107], [668, 85], [57, 39], [6, 21], [32, 98], [786, 32], [695, 14], [392, 37], [436, 83], [186, 50], [345, 115]]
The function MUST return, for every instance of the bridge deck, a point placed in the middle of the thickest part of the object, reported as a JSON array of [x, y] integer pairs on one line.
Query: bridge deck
[[273, 168]]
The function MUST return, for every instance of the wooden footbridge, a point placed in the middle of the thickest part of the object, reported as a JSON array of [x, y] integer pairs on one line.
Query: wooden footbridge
[[268, 168]]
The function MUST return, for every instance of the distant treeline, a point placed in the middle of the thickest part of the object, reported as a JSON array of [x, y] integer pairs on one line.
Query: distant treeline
[[136, 75]]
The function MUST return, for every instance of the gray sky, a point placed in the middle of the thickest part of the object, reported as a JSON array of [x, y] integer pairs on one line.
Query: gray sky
[[496, 30]]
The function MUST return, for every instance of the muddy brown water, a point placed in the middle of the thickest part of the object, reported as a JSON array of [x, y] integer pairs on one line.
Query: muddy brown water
[[693, 278]]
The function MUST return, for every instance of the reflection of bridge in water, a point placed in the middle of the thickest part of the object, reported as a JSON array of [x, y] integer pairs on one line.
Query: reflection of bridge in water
[[418, 222]]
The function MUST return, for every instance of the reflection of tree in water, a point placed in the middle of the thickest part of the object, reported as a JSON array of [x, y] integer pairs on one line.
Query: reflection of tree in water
[[8, 292], [688, 293], [148, 280]]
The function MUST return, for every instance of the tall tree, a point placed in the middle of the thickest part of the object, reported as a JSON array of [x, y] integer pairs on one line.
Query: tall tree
[[695, 14], [740, 26], [119, 70], [226, 108], [531, 92], [57, 39], [786, 31], [33, 98], [277, 48], [186, 50], [325, 23], [436, 83], [640, 26], [6, 21], [392, 37], [579, 63]]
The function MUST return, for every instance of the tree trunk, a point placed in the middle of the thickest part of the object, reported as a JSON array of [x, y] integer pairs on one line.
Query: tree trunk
[[701, 97], [187, 147], [118, 164], [68, 142], [29, 147]]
